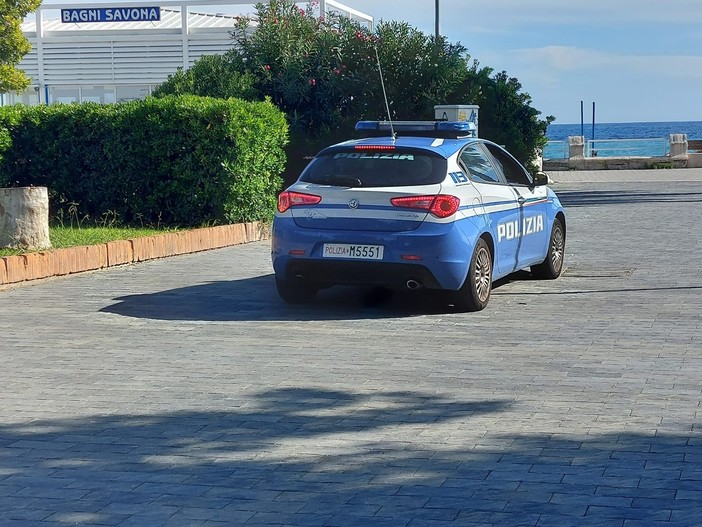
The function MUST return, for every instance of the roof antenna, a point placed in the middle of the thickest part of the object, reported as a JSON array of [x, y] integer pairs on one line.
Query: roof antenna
[[385, 95]]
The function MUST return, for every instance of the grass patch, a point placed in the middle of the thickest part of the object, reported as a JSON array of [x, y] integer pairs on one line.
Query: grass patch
[[72, 236]]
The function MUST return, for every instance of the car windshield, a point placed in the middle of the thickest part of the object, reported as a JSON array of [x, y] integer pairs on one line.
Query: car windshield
[[376, 168]]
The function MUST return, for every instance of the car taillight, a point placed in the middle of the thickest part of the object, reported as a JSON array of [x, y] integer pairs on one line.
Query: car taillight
[[289, 199], [441, 206]]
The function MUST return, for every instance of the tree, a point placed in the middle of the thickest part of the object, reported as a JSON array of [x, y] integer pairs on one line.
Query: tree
[[220, 76], [323, 73], [13, 44], [510, 119]]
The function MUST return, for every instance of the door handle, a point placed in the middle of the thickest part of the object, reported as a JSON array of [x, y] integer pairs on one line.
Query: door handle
[[521, 200]]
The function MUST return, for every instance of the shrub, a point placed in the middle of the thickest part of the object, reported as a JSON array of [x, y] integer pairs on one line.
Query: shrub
[[323, 73], [176, 160]]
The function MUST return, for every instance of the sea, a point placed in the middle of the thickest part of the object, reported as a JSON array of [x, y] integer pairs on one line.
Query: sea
[[619, 139]]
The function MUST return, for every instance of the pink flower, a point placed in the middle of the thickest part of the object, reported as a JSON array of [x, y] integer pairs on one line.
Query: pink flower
[[267, 67], [313, 82], [337, 71]]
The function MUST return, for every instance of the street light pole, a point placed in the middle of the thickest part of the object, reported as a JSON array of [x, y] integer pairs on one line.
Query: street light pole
[[436, 19]]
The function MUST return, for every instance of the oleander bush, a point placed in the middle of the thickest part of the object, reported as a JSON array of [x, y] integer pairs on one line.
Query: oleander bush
[[323, 73], [178, 160]]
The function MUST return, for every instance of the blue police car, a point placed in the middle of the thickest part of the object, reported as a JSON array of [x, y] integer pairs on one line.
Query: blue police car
[[415, 205]]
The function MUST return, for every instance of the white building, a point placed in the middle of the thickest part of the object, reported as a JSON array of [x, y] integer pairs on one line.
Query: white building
[[117, 51]]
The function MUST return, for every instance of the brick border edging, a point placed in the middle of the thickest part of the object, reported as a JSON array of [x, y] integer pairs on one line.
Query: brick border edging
[[59, 262]]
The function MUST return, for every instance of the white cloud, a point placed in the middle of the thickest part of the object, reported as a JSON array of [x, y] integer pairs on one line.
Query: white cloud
[[483, 15], [625, 86], [597, 12], [568, 59]]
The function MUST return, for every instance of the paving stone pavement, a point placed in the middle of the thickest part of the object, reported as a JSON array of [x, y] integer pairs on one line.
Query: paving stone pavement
[[182, 392]]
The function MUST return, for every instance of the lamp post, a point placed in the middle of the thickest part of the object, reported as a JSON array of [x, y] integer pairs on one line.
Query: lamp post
[[436, 19]]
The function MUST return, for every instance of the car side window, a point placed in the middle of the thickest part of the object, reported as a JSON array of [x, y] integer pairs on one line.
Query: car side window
[[514, 173], [477, 165]]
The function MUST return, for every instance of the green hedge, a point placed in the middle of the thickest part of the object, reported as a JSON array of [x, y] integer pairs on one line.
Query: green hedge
[[175, 161]]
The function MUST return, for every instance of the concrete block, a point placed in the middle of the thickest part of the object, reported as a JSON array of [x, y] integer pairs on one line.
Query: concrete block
[[170, 244], [678, 145], [210, 238], [119, 252], [191, 241], [38, 265], [694, 160], [143, 248], [16, 269], [184, 242], [181, 243], [3, 271], [91, 257], [230, 234], [223, 235], [161, 247], [234, 234], [62, 262], [576, 146], [202, 239], [77, 259]]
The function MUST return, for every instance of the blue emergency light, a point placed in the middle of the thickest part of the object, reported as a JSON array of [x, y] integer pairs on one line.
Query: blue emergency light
[[450, 129]]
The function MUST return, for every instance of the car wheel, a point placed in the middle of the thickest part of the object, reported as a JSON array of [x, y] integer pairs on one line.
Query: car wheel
[[552, 266], [475, 292], [295, 292]]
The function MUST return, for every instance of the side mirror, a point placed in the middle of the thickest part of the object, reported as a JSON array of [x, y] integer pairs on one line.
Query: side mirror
[[540, 179]]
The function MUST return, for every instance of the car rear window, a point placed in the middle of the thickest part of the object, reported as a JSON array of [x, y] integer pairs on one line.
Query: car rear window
[[370, 168]]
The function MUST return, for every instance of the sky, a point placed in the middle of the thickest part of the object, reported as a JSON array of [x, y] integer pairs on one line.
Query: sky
[[638, 60]]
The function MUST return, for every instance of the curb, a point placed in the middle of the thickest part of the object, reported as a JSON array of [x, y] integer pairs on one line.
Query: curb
[[70, 260]]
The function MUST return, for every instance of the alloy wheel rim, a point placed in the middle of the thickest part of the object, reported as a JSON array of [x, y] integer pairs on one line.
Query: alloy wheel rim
[[557, 245], [482, 274]]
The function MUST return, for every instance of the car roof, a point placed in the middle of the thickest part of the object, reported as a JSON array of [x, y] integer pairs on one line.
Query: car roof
[[437, 145]]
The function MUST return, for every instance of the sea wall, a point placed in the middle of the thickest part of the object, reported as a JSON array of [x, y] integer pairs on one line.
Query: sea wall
[[617, 163], [679, 157]]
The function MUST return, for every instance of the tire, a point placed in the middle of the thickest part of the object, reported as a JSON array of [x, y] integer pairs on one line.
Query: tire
[[474, 294], [295, 292], [552, 267]]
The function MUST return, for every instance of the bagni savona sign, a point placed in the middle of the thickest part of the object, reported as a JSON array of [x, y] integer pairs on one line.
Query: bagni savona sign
[[111, 14]]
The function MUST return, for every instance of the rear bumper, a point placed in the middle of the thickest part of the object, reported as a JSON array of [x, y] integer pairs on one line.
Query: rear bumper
[[443, 251], [392, 275]]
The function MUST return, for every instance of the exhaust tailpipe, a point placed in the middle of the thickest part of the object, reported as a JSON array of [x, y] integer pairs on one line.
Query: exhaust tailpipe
[[413, 284]]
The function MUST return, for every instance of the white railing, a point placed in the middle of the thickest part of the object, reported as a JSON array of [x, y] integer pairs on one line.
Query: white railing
[[657, 147], [556, 150]]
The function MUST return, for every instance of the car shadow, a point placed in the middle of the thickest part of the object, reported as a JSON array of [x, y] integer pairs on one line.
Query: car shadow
[[257, 299], [585, 198]]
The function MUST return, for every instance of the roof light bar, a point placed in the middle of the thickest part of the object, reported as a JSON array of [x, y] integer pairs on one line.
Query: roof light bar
[[436, 128]]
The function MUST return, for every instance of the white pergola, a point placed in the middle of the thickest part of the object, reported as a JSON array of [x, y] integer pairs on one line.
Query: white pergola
[[112, 61]]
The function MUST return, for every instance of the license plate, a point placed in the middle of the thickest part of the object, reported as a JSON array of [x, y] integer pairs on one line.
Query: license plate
[[358, 252]]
